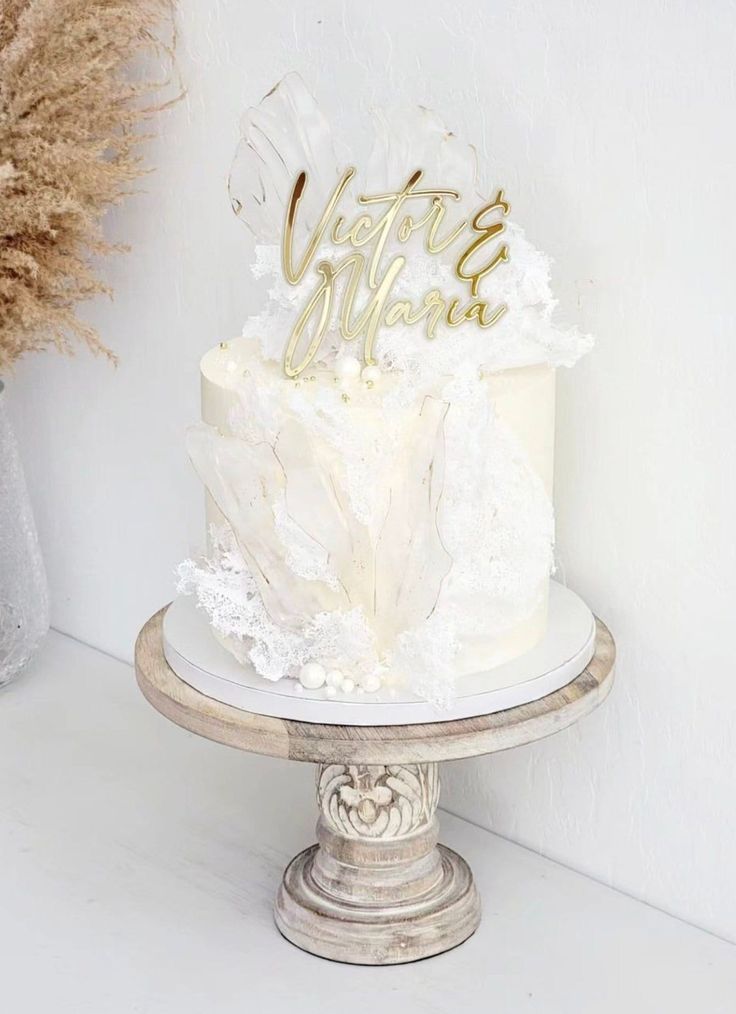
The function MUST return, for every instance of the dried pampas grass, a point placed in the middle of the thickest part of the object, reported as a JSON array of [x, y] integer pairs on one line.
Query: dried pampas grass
[[68, 150]]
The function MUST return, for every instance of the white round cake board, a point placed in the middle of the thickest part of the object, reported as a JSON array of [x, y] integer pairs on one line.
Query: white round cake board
[[196, 656]]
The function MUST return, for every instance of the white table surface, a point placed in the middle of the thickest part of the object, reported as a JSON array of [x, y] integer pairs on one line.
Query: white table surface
[[138, 865]]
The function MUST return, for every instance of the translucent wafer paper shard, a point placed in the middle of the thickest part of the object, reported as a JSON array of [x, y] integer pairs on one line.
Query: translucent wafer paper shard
[[286, 497], [284, 135]]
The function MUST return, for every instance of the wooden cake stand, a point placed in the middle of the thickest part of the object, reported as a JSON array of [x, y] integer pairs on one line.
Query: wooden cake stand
[[376, 889]]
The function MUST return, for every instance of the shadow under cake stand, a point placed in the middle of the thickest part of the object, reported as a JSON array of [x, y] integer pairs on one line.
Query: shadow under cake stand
[[376, 889]]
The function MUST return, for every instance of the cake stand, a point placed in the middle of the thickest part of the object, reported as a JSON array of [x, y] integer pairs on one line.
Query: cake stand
[[376, 889]]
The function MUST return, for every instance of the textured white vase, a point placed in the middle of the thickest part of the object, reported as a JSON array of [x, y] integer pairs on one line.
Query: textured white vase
[[24, 606]]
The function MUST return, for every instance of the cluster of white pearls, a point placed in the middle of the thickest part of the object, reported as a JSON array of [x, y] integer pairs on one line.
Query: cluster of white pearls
[[313, 676]]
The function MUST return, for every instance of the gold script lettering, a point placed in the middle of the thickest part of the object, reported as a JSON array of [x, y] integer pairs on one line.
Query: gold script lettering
[[291, 274], [357, 268], [487, 232]]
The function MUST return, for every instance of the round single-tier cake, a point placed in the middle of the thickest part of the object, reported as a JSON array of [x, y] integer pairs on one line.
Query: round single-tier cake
[[521, 409], [377, 447]]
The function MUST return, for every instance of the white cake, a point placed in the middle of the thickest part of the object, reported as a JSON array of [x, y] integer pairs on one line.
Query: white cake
[[379, 503]]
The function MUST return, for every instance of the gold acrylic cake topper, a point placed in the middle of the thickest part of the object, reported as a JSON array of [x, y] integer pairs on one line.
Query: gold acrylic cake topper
[[470, 266]]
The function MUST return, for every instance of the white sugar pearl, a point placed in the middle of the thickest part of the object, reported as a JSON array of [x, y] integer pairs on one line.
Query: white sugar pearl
[[334, 678], [331, 691], [312, 676], [371, 374], [347, 368], [348, 686], [371, 684]]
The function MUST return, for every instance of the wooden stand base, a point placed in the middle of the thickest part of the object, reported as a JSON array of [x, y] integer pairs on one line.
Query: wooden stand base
[[377, 889]]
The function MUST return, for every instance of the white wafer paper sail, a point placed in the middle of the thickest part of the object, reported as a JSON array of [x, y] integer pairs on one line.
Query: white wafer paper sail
[[288, 496], [285, 134], [411, 560], [247, 481], [417, 138]]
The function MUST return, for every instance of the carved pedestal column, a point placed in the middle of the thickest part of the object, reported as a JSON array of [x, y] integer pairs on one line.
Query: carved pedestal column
[[377, 889]]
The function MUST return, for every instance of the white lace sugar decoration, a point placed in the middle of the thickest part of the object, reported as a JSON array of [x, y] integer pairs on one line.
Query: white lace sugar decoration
[[225, 589], [427, 655], [496, 517], [304, 556]]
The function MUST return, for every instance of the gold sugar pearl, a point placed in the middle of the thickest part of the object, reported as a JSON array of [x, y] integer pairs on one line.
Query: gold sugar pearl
[[345, 397]]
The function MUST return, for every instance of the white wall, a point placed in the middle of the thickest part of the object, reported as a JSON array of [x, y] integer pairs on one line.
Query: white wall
[[611, 126]]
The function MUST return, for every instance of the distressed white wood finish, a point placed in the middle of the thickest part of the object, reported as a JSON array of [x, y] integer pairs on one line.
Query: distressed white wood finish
[[378, 744], [376, 889], [138, 866]]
